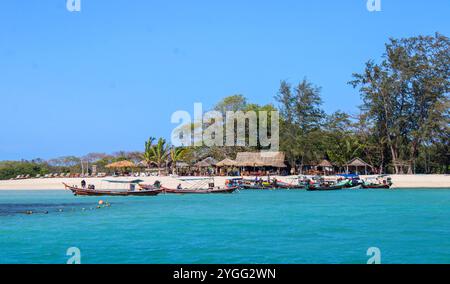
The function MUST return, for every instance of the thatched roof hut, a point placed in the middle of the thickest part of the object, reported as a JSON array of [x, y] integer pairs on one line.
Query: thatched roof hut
[[181, 165], [205, 163], [261, 159], [357, 162], [226, 163], [121, 164], [325, 164]]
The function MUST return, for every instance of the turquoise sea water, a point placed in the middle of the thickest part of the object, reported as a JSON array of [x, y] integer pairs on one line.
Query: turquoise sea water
[[408, 226]]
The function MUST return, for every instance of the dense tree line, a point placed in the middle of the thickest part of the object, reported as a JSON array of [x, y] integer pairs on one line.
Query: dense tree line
[[68, 164]]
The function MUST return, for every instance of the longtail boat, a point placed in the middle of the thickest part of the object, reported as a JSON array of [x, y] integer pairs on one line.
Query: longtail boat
[[376, 186], [197, 186], [322, 185], [199, 191], [313, 187], [379, 182], [252, 184], [94, 192], [284, 185], [255, 186]]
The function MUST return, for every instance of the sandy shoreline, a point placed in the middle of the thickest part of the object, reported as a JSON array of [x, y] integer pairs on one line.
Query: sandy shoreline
[[400, 181]]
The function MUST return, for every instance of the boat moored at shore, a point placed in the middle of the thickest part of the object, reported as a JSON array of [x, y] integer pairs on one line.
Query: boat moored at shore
[[90, 190]]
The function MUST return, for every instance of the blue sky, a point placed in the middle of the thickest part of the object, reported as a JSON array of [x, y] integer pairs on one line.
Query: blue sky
[[106, 78]]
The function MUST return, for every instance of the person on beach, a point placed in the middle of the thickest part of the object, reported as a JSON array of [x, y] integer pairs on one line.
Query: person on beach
[[83, 184]]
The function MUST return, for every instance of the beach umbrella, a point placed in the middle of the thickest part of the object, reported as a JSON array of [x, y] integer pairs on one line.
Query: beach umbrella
[[121, 165]]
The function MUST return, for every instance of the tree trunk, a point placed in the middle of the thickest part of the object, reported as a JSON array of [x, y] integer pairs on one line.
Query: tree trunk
[[394, 159]]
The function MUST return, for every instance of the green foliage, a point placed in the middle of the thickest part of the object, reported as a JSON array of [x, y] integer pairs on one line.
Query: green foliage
[[406, 97], [301, 119], [231, 103], [12, 169], [156, 154]]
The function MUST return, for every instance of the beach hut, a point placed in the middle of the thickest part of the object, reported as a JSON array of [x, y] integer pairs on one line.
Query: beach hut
[[263, 161], [226, 166], [202, 164], [181, 168], [207, 162], [226, 163], [181, 165], [326, 167], [357, 163], [205, 166]]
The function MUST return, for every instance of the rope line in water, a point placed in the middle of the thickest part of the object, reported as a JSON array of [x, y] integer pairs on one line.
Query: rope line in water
[[101, 204]]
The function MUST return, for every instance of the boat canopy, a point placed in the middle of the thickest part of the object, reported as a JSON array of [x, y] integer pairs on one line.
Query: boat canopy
[[349, 176]]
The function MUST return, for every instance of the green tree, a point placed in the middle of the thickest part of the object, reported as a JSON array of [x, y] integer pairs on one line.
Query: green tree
[[231, 103], [176, 154], [405, 97], [156, 153], [301, 119]]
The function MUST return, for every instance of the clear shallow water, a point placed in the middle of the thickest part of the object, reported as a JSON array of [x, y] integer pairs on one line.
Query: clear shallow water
[[409, 226]]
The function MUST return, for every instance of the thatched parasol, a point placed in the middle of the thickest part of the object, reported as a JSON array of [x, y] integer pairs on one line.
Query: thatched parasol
[[226, 163], [121, 164]]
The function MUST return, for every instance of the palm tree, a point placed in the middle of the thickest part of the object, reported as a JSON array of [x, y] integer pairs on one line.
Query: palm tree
[[148, 152], [176, 154], [160, 153]]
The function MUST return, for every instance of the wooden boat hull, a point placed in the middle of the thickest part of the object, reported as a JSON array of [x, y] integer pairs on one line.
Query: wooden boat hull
[[152, 192], [255, 187], [290, 186], [82, 192], [90, 192], [324, 188], [376, 186], [199, 191]]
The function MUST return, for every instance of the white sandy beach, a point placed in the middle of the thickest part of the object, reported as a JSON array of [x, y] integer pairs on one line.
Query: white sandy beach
[[399, 181]]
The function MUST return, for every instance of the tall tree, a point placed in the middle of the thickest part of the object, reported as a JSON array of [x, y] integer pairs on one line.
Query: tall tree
[[148, 155], [301, 119], [160, 153], [406, 95]]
